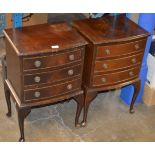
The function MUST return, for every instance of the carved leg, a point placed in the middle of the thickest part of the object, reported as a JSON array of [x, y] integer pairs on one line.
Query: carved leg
[[79, 99], [136, 91], [7, 97], [88, 97], [22, 113]]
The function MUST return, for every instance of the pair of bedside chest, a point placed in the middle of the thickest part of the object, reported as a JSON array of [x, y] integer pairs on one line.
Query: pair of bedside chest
[[50, 63]]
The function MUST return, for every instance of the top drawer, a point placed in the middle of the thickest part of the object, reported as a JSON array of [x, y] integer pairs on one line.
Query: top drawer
[[120, 49], [50, 61]]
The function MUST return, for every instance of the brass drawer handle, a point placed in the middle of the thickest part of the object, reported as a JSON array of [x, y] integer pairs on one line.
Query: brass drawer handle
[[107, 51], [133, 60], [131, 73], [37, 79], [70, 72], [105, 66], [37, 94], [69, 87], [103, 80], [136, 46], [71, 57], [37, 63]]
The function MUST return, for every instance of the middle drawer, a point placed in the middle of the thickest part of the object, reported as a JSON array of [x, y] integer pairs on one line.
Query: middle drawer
[[52, 76], [116, 64]]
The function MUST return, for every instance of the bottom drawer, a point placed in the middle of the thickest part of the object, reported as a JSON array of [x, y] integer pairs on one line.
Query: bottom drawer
[[52, 91], [117, 77]]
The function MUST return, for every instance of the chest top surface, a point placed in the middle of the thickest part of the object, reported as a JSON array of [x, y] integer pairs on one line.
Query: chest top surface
[[44, 38], [109, 29]]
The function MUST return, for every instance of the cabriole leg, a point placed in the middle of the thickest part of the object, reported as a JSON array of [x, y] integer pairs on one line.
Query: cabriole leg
[[88, 97], [22, 113], [8, 101], [136, 91], [79, 99]]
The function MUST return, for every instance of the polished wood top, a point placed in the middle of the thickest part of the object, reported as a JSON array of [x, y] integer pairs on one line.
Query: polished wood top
[[44, 38], [109, 29]]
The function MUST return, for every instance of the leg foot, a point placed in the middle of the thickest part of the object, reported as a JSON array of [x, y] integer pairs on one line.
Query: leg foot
[[22, 113], [136, 91], [83, 124], [21, 140]]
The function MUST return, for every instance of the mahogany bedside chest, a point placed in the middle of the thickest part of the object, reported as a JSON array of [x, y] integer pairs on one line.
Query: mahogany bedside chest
[[44, 65], [113, 56]]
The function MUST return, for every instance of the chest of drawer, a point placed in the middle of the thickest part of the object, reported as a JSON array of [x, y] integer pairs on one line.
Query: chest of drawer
[[50, 61], [52, 76], [119, 63], [53, 90], [120, 49], [116, 77]]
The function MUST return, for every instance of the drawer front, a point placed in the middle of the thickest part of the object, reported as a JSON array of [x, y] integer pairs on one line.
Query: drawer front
[[54, 76], [116, 64], [117, 77], [52, 60], [52, 91], [120, 49]]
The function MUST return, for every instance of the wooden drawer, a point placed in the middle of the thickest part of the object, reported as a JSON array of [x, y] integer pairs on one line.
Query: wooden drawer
[[52, 76], [116, 64], [117, 77], [52, 91], [50, 61], [120, 49]]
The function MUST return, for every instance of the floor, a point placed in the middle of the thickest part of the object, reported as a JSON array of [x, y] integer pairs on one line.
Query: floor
[[108, 120]]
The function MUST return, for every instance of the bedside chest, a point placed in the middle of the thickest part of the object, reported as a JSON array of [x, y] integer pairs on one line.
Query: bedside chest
[[113, 56], [44, 65]]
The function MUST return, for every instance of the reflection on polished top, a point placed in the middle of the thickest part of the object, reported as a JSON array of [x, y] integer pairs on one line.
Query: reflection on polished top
[[44, 38], [109, 29]]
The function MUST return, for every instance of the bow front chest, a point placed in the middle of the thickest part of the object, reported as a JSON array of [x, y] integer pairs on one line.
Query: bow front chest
[[44, 66], [113, 56]]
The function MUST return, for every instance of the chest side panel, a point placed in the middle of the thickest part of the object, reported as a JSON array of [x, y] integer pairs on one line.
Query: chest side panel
[[13, 68]]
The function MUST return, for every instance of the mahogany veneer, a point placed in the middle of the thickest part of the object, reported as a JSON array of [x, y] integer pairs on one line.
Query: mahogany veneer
[[113, 56], [44, 65]]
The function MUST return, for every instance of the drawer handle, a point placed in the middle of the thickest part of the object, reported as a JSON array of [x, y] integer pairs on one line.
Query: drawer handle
[[69, 87], [37, 79], [71, 57], [107, 51], [70, 72], [104, 80], [136, 46], [37, 94], [105, 66], [131, 73], [133, 60], [37, 63]]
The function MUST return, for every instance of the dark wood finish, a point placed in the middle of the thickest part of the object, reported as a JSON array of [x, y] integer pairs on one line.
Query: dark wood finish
[[113, 56], [44, 66]]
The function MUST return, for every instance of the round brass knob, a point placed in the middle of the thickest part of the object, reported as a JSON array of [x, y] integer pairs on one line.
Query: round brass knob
[[69, 87], [107, 51], [37, 94], [71, 57], [70, 72], [37, 63], [37, 79], [103, 80], [133, 60], [131, 73], [105, 66], [136, 46]]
